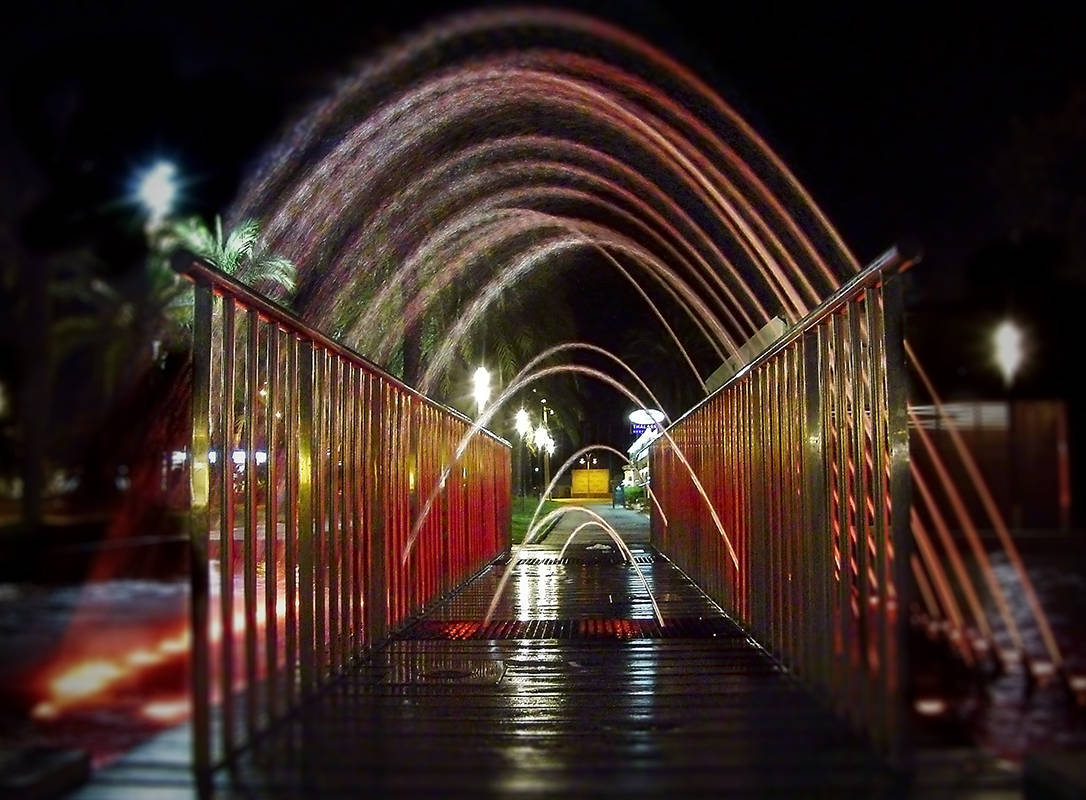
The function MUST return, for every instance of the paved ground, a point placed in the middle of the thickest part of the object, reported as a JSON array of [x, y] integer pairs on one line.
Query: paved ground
[[573, 690]]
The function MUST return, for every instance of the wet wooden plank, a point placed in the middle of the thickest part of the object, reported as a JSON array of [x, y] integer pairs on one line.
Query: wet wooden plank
[[538, 714]]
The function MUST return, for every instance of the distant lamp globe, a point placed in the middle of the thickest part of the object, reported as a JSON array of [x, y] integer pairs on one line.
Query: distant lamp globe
[[1008, 342], [481, 387], [156, 190], [522, 423]]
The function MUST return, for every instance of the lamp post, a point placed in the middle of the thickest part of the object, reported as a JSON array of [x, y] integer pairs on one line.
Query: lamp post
[[545, 445], [523, 425], [1008, 352]]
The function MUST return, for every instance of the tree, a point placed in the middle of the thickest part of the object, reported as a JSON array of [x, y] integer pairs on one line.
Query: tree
[[238, 254]]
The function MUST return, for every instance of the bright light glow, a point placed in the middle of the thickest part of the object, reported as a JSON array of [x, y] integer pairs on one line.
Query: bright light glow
[[523, 423], [1009, 353], [212, 456], [177, 458], [143, 658], [166, 710], [647, 416], [156, 190], [86, 679], [238, 457], [175, 645], [930, 706], [261, 457], [541, 437], [481, 387], [45, 710], [1043, 669]]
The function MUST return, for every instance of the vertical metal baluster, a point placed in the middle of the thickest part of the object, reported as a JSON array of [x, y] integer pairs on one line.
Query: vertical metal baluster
[[362, 506], [422, 545], [291, 533], [781, 489], [798, 533], [273, 684], [859, 456], [899, 540], [757, 513], [790, 529], [877, 395], [320, 500], [332, 505], [816, 563], [199, 535], [732, 500], [768, 501], [307, 478], [249, 545], [844, 599], [344, 627], [396, 501], [226, 530], [377, 594], [350, 462]]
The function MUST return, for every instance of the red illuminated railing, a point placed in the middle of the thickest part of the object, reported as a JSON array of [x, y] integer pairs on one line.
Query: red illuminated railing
[[314, 460], [804, 455]]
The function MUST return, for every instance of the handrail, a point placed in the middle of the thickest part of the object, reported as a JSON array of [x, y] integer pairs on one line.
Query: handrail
[[305, 467], [804, 457], [896, 260], [196, 270]]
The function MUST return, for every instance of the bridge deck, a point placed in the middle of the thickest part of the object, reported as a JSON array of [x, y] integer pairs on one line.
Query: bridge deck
[[572, 691]]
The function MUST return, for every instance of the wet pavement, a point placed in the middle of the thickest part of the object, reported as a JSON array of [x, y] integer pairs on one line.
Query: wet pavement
[[573, 691]]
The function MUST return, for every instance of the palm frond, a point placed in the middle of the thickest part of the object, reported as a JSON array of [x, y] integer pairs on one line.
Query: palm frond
[[193, 235], [278, 270], [239, 245]]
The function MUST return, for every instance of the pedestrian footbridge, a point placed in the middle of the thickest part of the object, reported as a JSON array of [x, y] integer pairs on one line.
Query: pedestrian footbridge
[[346, 639]]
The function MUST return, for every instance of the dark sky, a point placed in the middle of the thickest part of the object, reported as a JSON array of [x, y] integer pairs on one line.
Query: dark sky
[[889, 115]]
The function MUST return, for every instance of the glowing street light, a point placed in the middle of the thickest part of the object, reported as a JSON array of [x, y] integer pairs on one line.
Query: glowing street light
[[1009, 352], [156, 190], [523, 423], [481, 387]]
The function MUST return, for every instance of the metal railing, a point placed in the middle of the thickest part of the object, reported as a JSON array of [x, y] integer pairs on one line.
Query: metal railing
[[307, 463], [804, 454]]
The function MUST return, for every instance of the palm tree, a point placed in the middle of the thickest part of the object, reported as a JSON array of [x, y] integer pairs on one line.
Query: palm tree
[[238, 254], [169, 297]]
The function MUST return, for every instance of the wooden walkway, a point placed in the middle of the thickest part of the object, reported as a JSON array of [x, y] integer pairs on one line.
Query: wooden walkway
[[572, 691]]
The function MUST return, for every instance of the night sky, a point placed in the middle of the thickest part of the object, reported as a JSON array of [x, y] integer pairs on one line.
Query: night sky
[[894, 117], [889, 115]]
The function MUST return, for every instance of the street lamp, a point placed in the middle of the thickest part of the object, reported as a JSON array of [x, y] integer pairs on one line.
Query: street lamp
[[1008, 349], [481, 387], [522, 423], [156, 190], [545, 445], [1008, 352]]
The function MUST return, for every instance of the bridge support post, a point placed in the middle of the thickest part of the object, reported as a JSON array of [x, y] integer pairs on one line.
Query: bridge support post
[[199, 533]]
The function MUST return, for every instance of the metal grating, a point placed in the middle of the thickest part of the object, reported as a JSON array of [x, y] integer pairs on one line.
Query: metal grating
[[618, 629], [607, 560]]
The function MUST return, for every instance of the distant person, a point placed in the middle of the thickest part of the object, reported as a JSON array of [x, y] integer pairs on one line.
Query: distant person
[[618, 496]]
